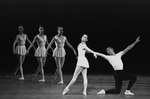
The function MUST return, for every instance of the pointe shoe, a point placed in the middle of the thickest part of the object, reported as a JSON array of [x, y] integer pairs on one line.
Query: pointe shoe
[[84, 93], [102, 92], [61, 82], [127, 92], [22, 78], [65, 91], [42, 80], [52, 80], [13, 77], [33, 76]]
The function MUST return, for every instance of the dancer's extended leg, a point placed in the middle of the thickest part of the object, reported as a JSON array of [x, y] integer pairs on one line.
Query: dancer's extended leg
[[17, 67], [76, 73]]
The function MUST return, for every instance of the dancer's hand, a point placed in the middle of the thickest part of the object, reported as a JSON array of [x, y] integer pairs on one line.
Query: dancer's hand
[[52, 50], [34, 49], [27, 52], [77, 57], [138, 39], [95, 55], [47, 53], [75, 52]]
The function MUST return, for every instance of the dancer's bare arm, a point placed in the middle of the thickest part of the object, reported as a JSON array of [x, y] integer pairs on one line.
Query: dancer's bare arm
[[131, 46], [70, 46], [91, 51], [15, 43], [102, 55]]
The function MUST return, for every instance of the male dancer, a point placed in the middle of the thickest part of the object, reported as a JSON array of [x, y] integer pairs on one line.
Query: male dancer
[[119, 75]]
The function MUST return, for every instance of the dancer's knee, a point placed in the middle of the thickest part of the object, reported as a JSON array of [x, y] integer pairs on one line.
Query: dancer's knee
[[59, 70]]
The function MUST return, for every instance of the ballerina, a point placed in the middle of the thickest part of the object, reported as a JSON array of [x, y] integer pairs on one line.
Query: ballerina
[[20, 51], [59, 53], [82, 65], [40, 52]]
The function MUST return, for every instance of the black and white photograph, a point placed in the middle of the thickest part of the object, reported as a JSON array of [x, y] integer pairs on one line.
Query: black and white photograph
[[75, 49]]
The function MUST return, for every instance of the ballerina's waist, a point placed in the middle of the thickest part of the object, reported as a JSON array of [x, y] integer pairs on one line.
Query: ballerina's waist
[[41, 46], [21, 45]]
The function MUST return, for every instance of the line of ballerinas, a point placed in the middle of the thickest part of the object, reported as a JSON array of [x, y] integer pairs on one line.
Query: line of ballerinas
[[41, 52]]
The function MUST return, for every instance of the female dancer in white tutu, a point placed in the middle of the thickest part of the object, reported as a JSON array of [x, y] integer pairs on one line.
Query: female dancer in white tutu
[[40, 52], [119, 75], [59, 53], [82, 64], [20, 50]]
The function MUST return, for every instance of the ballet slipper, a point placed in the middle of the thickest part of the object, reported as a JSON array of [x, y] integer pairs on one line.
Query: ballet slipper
[[65, 91], [52, 81], [102, 92], [42, 80], [22, 78], [84, 93], [33, 76], [61, 82], [13, 77], [127, 92]]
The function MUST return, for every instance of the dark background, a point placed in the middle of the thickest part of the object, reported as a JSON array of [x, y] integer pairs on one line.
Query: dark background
[[115, 23]]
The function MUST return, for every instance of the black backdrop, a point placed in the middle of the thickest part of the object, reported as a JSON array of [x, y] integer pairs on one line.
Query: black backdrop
[[115, 23]]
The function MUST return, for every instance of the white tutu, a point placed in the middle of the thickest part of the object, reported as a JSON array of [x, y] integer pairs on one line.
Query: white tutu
[[40, 52], [82, 61], [21, 50]]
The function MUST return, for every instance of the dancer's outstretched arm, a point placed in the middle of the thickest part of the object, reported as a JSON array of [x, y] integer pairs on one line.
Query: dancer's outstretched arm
[[102, 55], [131, 46], [70, 46], [91, 51], [50, 44], [15, 44]]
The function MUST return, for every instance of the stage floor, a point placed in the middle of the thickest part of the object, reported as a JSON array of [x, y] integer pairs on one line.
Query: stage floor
[[29, 89]]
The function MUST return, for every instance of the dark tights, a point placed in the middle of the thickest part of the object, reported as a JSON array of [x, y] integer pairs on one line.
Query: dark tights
[[119, 76]]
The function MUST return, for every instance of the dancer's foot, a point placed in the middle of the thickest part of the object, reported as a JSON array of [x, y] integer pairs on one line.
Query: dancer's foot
[[127, 92], [52, 80], [22, 78], [42, 80], [65, 91], [13, 77], [33, 76], [84, 93], [61, 82], [102, 92]]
